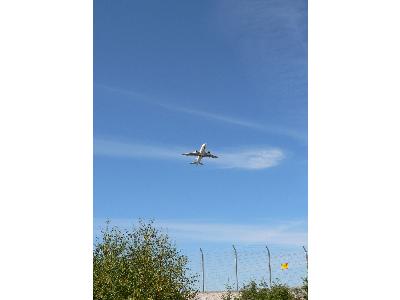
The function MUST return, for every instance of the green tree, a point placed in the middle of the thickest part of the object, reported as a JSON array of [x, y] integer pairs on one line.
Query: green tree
[[141, 264]]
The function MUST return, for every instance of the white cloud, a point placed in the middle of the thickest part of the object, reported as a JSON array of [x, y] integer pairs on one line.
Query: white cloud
[[284, 233], [237, 233], [278, 130], [214, 116], [114, 148], [249, 158], [252, 159]]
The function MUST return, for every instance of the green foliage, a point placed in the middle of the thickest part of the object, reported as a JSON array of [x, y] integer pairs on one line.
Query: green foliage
[[305, 285], [228, 295], [141, 264], [280, 292], [301, 293], [262, 291], [304, 288]]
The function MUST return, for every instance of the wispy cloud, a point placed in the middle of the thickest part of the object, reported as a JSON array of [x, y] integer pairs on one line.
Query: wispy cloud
[[283, 233], [237, 121], [105, 147], [261, 22], [272, 129], [237, 233], [243, 158], [250, 158]]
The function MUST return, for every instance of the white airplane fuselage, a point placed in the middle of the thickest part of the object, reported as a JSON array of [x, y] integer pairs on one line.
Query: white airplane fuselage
[[201, 153]]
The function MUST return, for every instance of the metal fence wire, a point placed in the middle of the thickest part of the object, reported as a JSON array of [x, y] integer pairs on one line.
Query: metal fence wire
[[219, 268]]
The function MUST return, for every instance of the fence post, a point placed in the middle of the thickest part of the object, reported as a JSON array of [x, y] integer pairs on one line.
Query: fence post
[[305, 250], [202, 266], [269, 266], [236, 268]]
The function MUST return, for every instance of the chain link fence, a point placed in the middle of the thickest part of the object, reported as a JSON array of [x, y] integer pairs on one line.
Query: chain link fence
[[238, 265]]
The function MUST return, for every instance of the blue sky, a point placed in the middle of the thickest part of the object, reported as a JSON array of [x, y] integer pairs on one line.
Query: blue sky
[[171, 75]]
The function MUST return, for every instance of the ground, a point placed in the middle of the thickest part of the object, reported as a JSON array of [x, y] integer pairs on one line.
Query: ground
[[212, 295]]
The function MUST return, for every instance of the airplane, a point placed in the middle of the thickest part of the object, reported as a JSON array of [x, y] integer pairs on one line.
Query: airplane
[[200, 154]]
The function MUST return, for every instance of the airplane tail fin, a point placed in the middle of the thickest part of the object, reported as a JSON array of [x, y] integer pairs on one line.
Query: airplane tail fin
[[196, 163]]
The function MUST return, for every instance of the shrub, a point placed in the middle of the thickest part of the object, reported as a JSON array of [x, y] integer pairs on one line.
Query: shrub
[[228, 295], [139, 264], [280, 292], [262, 291], [304, 288]]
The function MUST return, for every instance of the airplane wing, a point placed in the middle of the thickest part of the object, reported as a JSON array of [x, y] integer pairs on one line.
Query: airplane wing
[[208, 154], [194, 153]]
